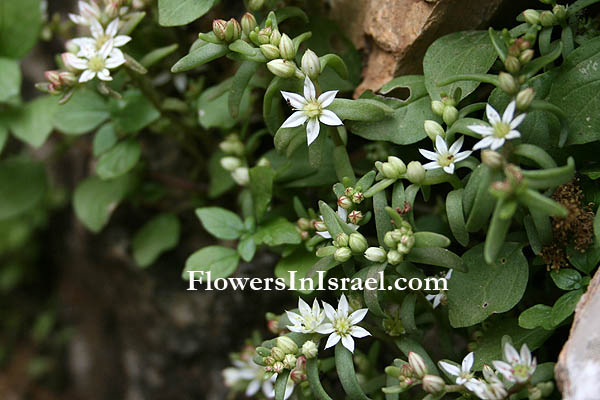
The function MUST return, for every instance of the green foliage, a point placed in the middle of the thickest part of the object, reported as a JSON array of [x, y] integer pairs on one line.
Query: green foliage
[[182, 12], [20, 23], [158, 235], [25, 183], [218, 260]]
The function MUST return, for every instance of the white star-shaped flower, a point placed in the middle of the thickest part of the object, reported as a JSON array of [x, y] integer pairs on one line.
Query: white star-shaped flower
[[443, 157], [463, 374], [312, 109], [342, 325], [343, 214], [436, 299], [97, 63], [309, 320], [501, 129], [88, 12], [99, 37], [517, 368]]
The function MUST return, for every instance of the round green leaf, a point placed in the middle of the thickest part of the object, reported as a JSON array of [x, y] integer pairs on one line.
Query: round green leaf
[[486, 289], [218, 260], [10, 79], [119, 160], [158, 235], [34, 123], [220, 222], [182, 12], [85, 111], [20, 23], [538, 315]]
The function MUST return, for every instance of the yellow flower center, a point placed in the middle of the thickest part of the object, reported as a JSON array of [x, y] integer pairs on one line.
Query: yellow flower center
[[313, 109], [342, 326], [501, 129], [445, 159], [521, 371], [96, 63]]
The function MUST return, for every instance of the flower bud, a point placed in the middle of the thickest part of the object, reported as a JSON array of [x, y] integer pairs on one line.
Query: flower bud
[[448, 101], [231, 163], [341, 240], [219, 27], [526, 56], [393, 371], [248, 23], [344, 202], [264, 35], [277, 353], [282, 68], [310, 349], [275, 38], [287, 345], [53, 77], [560, 12], [67, 78], [508, 83], [349, 191], [433, 129], [394, 257], [342, 254], [241, 176], [289, 361], [358, 197], [232, 145], [287, 48], [311, 65], [297, 376], [415, 172], [433, 384], [255, 5], [375, 254], [524, 98], [398, 165], [512, 64], [319, 225], [269, 51], [269, 360], [450, 115], [355, 217], [278, 367], [532, 17], [547, 18], [301, 363], [417, 364], [233, 30], [263, 162], [407, 371], [388, 171], [389, 240], [357, 243], [304, 224], [437, 107], [492, 159]]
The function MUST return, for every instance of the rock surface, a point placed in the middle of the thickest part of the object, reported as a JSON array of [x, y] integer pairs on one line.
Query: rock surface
[[396, 33], [578, 368]]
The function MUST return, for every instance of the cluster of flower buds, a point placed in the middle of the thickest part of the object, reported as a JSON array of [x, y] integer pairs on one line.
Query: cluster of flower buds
[[512, 185], [519, 54], [227, 31], [446, 108], [546, 18], [394, 168], [59, 82], [400, 241], [282, 356], [412, 373], [355, 243], [234, 161], [298, 372]]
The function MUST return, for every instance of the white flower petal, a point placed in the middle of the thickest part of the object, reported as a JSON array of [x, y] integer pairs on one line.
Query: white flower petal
[[121, 40], [437, 300], [525, 354], [512, 135], [294, 318], [481, 129], [106, 48], [296, 119], [483, 143], [358, 315], [303, 307], [497, 143], [325, 328], [86, 76], [449, 169], [104, 75], [467, 362], [343, 306], [505, 369], [329, 118], [309, 90], [449, 368], [72, 61], [96, 29], [510, 353], [342, 213], [492, 115], [295, 100], [325, 234], [432, 165], [332, 340], [509, 113], [359, 332], [312, 130], [252, 388], [517, 121], [329, 311], [440, 145], [430, 155], [462, 155], [457, 145], [326, 98], [112, 28], [348, 343]]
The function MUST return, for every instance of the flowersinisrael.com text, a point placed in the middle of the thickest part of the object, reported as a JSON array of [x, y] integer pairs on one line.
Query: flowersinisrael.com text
[[202, 280]]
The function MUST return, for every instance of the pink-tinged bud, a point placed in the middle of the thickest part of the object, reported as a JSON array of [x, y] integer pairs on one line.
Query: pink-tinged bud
[[355, 217], [248, 23], [219, 27], [407, 371], [233, 30], [358, 197], [273, 326], [301, 363], [282, 68], [531, 16], [344, 202], [303, 234], [297, 376], [418, 364], [512, 64], [269, 51], [304, 224], [319, 225], [53, 77], [68, 78], [526, 56], [68, 59], [433, 384], [349, 191], [278, 367]]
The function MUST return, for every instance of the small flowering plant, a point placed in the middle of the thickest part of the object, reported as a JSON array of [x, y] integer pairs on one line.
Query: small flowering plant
[[252, 139]]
